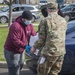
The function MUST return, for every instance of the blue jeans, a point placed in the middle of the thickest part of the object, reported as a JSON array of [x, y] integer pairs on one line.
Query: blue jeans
[[14, 61]]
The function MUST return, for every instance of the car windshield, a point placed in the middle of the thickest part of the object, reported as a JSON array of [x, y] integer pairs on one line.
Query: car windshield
[[5, 9], [43, 1], [68, 7]]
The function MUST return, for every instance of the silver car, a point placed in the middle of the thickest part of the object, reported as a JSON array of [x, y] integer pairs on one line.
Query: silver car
[[42, 2], [17, 10]]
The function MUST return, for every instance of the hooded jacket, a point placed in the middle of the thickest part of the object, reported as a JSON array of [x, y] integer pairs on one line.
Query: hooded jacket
[[18, 36]]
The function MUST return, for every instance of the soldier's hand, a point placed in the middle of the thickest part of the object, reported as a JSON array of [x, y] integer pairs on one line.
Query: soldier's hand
[[32, 49]]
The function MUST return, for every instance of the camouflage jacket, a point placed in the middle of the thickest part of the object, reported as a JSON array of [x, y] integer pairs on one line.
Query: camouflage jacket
[[52, 30]]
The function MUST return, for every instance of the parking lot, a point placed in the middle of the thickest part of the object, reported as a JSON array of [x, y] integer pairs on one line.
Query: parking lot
[[69, 53]]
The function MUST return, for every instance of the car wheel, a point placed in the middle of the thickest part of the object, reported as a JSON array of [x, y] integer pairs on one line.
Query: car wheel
[[67, 17], [33, 19], [3, 19]]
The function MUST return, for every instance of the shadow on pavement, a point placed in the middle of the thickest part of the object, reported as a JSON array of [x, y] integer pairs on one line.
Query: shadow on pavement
[[24, 72], [4, 71]]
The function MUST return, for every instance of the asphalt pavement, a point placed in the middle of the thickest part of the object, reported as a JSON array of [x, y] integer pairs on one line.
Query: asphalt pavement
[[4, 71]]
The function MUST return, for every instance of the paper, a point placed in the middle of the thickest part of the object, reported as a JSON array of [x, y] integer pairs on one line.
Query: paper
[[33, 39], [42, 60]]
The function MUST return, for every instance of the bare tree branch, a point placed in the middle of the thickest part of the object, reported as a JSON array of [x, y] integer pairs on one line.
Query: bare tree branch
[[6, 2]]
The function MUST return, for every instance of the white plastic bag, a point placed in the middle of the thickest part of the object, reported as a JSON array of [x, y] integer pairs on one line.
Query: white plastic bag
[[33, 39]]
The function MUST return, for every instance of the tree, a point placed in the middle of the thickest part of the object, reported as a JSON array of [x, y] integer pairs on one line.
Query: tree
[[9, 3]]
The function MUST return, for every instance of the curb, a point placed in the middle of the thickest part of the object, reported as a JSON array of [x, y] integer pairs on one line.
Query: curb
[[4, 65]]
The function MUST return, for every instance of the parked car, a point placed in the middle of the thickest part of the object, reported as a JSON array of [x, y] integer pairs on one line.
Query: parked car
[[69, 11], [69, 60], [64, 5], [17, 10], [42, 2]]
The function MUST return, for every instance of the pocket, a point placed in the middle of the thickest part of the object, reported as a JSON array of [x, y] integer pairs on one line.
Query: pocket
[[5, 52], [43, 68]]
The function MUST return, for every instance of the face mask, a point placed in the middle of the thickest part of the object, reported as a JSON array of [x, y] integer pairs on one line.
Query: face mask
[[27, 22]]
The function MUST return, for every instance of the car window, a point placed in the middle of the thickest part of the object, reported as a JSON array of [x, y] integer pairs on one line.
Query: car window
[[68, 7], [5, 9], [28, 8], [21, 8], [15, 9]]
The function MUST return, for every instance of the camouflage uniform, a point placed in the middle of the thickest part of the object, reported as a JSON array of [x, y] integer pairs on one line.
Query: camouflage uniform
[[52, 31]]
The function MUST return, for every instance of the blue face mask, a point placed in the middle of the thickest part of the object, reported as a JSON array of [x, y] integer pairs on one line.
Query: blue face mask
[[27, 22]]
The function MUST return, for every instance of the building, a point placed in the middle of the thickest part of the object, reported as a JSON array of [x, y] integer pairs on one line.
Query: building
[[30, 1], [36, 1], [69, 1]]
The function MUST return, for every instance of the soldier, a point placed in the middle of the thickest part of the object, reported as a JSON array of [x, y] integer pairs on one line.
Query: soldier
[[52, 40], [45, 14], [60, 12]]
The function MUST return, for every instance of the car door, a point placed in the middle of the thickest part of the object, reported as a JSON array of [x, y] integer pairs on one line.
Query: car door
[[29, 8], [16, 12], [70, 36], [69, 60]]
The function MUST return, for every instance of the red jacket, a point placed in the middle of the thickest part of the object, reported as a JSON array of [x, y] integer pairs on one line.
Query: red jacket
[[18, 36]]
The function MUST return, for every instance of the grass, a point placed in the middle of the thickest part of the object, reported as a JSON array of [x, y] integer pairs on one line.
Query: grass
[[3, 35], [6, 24], [36, 22]]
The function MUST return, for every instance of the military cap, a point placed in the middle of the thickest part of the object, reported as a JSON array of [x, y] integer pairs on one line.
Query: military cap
[[43, 6], [51, 5]]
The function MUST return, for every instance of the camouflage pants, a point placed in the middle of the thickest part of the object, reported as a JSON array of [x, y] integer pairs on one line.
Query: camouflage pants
[[51, 66]]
